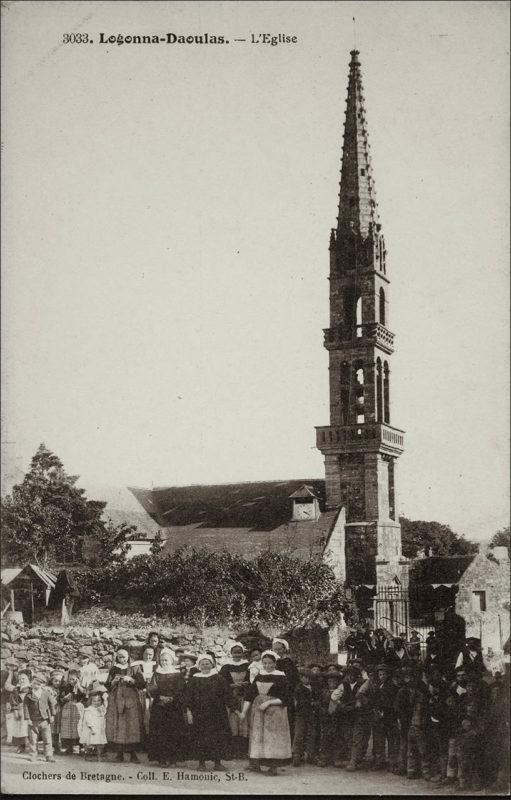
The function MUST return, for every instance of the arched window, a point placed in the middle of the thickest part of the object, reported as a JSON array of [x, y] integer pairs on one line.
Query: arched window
[[358, 316], [358, 369], [382, 306], [386, 393], [379, 391]]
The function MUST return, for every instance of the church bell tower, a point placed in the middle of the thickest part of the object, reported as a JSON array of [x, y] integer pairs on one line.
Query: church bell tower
[[360, 445]]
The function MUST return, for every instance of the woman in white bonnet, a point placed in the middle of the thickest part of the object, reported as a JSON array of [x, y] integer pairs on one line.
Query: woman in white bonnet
[[124, 716], [208, 696], [268, 699], [167, 725]]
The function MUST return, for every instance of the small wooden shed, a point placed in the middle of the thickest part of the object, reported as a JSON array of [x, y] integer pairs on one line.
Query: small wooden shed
[[28, 589]]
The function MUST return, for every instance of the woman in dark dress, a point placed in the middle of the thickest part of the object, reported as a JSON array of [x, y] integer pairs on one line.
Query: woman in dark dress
[[207, 696], [124, 716], [166, 724], [235, 671], [268, 698]]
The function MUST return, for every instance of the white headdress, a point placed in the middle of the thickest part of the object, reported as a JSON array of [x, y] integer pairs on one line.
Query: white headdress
[[281, 641], [227, 661], [273, 655], [206, 657], [172, 668]]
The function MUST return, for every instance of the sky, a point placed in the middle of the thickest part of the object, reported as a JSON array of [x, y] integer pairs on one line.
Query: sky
[[166, 219]]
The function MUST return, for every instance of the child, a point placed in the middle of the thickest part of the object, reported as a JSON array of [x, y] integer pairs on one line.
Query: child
[[146, 666], [303, 739], [255, 664], [92, 724], [330, 744], [187, 665], [403, 707], [16, 721], [39, 707], [71, 699], [467, 748], [55, 684], [88, 672]]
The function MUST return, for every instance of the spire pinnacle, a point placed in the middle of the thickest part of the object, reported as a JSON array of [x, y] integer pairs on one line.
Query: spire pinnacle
[[357, 198]]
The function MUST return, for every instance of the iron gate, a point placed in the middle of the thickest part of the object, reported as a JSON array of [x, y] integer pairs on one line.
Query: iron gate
[[391, 610]]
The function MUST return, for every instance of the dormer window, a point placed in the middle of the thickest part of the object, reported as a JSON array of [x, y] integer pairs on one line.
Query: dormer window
[[305, 505]]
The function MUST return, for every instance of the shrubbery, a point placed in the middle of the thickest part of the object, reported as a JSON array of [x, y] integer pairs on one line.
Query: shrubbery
[[202, 588]]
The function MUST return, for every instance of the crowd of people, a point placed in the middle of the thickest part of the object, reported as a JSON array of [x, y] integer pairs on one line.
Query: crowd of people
[[433, 712]]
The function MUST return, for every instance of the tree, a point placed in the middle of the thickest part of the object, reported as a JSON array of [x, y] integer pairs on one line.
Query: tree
[[157, 544], [47, 518], [110, 544], [501, 538], [440, 539]]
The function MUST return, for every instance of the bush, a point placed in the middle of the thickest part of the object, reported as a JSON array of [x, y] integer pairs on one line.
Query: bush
[[203, 589]]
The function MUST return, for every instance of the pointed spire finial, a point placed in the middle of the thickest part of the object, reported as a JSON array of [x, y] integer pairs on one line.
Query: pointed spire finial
[[357, 198]]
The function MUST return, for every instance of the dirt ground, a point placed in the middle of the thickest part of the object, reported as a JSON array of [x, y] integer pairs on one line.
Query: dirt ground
[[73, 775]]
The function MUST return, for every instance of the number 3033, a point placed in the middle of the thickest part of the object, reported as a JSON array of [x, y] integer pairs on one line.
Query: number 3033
[[75, 38]]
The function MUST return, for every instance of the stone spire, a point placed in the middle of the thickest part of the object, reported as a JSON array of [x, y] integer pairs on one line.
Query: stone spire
[[358, 209]]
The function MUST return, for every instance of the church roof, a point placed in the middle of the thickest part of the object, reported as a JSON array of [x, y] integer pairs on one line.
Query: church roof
[[242, 518], [440, 569], [357, 196], [261, 505], [299, 539]]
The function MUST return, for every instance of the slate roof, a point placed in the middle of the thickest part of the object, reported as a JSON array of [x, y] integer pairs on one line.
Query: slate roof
[[241, 518], [261, 506], [299, 539], [440, 569]]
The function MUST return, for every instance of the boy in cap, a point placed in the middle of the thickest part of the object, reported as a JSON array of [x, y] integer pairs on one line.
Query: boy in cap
[[385, 728], [330, 741], [40, 707], [54, 684], [303, 739], [403, 708], [355, 716], [470, 658], [418, 746]]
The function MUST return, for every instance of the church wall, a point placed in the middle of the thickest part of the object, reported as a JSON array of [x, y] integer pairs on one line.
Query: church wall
[[335, 549]]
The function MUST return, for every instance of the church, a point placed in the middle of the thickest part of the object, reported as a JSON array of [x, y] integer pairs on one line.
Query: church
[[350, 517]]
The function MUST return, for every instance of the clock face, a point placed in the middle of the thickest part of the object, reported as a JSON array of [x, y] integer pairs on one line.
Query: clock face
[[306, 511]]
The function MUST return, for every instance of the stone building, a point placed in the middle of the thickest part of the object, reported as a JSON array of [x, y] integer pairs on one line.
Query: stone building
[[351, 516], [477, 586]]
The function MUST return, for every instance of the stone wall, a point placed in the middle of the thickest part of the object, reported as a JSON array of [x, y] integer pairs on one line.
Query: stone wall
[[48, 647], [492, 625]]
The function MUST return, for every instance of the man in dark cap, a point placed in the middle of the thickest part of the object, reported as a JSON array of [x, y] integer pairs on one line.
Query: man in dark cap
[[403, 707], [471, 658], [355, 716], [396, 655], [385, 728]]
